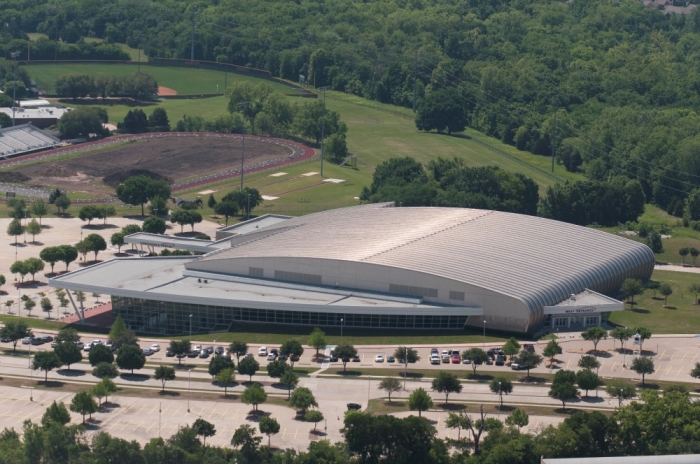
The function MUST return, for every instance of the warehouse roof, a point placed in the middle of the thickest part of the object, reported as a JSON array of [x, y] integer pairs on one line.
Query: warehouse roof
[[539, 261]]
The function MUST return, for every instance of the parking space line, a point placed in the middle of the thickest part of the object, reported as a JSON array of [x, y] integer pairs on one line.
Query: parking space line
[[662, 355], [295, 433], [568, 362], [224, 430], [613, 366], [234, 416], [139, 411], [129, 408], [602, 364], [696, 355], [684, 355], [438, 424], [166, 409], [149, 427], [114, 425], [176, 411], [679, 371], [137, 427], [125, 424], [283, 433], [667, 370], [212, 413], [674, 353], [154, 408], [224, 413]]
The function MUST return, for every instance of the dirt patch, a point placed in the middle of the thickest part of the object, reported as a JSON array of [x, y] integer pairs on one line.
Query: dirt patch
[[56, 170], [113, 180], [13, 176], [171, 158], [165, 91]]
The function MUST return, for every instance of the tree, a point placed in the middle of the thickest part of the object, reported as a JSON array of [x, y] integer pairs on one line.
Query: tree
[[403, 355], [181, 348], [268, 426], [588, 362], [695, 372], [564, 387], [225, 377], [595, 335], [33, 228], [99, 392], [336, 148], [653, 241], [211, 201], [154, 225], [441, 110], [529, 359], [684, 252], [622, 334], [313, 416], [83, 121], [99, 354], [15, 228], [551, 350], [666, 290], [204, 429], [164, 374], [130, 357], [2, 281], [244, 438], [290, 379], [34, 265], [83, 404], [135, 122], [457, 421], [56, 413], [62, 203], [21, 268], [419, 401], [226, 208], [254, 395], [620, 390], [39, 209], [46, 306], [218, 364], [644, 334], [390, 385], [302, 399], [95, 243], [511, 348], [292, 348], [588, 380], [180, 217], [68, 254], [51, 255], [158, 120], [345, 353], [317, 340], [477, 356], [137, 190], [248, 366], [15, 331], [89, 212], [29, 305], [694, 252], [643, 365], [694, 288], [275, 369], [517, 418], [632, 288], [69, 353], [501, 385], [46, 361], [104, 369], [238, 349], [117, 240], [67, 334]]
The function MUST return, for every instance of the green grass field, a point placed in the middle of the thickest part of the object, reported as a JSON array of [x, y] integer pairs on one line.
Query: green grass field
[[182, 80]]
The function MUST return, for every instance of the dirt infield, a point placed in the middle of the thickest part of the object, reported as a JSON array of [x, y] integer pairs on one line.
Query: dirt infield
[[165, 91], [179, 159]]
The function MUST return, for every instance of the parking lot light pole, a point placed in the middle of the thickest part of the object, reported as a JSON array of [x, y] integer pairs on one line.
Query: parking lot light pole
[[243, 105], [405, 366], [323, 124], [189, 371], [190, 327], [14, 56], [484, 334], [341, 330], [499, 397]]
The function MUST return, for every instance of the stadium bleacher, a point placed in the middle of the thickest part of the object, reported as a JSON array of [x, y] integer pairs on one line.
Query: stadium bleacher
[[23, 139]]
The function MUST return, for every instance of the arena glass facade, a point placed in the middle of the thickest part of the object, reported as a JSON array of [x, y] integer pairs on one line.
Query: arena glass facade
[[169, 318]]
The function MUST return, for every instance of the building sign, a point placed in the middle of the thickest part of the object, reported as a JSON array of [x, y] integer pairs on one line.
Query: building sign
[[166, 245], [585, 309]]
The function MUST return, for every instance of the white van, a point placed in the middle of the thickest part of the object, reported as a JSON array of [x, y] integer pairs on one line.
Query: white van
[[262, 351]]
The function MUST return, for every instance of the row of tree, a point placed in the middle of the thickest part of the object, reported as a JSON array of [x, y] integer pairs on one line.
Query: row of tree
[[137, 86]]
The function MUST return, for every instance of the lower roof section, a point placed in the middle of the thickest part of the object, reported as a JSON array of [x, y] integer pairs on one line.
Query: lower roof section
[[166, 279]]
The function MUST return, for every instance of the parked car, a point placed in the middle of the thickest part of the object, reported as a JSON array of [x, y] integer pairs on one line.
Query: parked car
[[209, 349], [466, 361], [155, 347], [435, 359], [445, 356], [47, 338], [37, 341], [275, 351], [54, 344], [79, 344], [197, 348], [219, 350], [529, 347], [96, 342], [454, 352], [356, 359], [110, 345], [262, 351], [87, 347], [455, 358], [204, 354], [294, 358], [5, 340], [26, 340], [390, 359], [271, 356], [248, 355], [354, 407], [169, 353], [147, 351], [489, 361], [332, 359], [192, 354], [500, 360], [379, 358], [434, 351], [180, 355]]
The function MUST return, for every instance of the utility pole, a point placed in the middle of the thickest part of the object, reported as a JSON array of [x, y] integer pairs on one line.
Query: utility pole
[[323, 125], [415, 81], [194, 20], [14, 55], [243, 105], [554, 140]]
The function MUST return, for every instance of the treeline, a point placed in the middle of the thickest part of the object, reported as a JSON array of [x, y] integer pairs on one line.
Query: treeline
[[451, 183], [661, 424], [136, 86]]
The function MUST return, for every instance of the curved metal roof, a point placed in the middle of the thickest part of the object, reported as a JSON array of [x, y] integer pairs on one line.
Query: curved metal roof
[[539, 261]]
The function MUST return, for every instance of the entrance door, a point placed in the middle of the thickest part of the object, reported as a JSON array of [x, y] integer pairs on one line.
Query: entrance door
[[559, 321]]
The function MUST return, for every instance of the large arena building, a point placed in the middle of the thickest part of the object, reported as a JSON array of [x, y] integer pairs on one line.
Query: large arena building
[[375, 266]]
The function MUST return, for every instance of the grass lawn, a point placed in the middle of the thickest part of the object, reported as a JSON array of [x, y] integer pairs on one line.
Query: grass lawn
[[182, 80], [34, 322], [680, 316]]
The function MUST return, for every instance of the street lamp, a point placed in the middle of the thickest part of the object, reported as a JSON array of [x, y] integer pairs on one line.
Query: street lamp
[[25, 224], [226, 65], [189, 371], [500, 398], [31, 382], [190, 327], [248, 215], [341, 330], [323, 124], [243, 105], [405, 364], [484, 345], [14, 55], [624, 353]]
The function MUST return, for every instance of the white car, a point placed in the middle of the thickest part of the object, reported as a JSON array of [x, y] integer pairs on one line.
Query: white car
[[87, 346], [271, 357], [96, 342], [379, 358], [26, 340], [445, 356], [197, 348], [262, 351], [435, 358], [155, 347]]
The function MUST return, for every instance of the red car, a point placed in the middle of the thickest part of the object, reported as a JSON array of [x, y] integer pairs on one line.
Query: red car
[[455, 359]]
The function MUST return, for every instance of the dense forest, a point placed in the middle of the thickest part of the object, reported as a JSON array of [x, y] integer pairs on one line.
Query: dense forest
[[622, 79]]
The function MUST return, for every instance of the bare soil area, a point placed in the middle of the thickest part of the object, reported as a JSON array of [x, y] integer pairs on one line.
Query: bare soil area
[[172, 158]]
